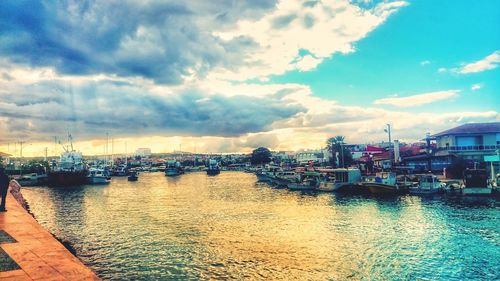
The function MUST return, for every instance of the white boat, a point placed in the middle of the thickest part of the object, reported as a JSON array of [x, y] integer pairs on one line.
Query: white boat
[[213, 167], [268, 173], [385, 183], [97, 176], [308, 181], [427, 184], [283, 178], [340, 178], [476, 183], [173, 169], [70, 170], [32, 179]]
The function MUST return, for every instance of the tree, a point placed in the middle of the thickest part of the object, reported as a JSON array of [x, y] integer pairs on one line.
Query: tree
[[260, 155], [334, 145]]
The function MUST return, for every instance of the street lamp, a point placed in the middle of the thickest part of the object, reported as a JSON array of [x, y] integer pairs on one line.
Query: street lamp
[[388, 131], [342, 153]]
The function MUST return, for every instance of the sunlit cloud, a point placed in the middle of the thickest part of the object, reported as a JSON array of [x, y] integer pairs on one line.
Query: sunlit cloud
[[417, 100], [487, 63], [206, 85]]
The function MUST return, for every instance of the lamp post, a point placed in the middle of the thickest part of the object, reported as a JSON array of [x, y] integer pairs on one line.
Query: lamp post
[[388, 131], [342, 153]]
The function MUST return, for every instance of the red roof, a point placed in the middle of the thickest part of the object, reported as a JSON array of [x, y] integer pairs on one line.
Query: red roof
[[370, 148], [3, 154]]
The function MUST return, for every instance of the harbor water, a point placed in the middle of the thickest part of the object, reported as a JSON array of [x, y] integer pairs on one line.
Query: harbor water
[[230, 226]]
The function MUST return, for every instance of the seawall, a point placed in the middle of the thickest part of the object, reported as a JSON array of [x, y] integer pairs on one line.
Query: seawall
[[31, 252]]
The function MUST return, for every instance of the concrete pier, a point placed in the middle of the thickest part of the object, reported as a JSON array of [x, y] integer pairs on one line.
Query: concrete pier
[[38, 255]]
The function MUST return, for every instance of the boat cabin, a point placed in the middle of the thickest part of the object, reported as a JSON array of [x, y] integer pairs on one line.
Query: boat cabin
[[347, 175], [475, 178], [428, 182], [387, 178]]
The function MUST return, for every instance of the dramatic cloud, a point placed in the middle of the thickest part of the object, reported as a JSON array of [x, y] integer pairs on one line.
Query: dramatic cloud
[[171, 41], [300, 35], [487, 63], [95, 106], [196, 74], [417, 100], [167, 41]]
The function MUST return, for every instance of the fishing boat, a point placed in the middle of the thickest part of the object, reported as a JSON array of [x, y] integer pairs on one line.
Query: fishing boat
[[69, 170], [173, 169], [213, 167], [133, 176], [340, 180], [384, 183], [309, 181], [476, 183], [32, 179], [97, 176], [283, 178], [427, 184], [120, 171], [267, 173]]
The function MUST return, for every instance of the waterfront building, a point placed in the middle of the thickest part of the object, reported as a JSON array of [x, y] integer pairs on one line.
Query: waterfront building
[[143, 152], [320, 156], [471, 141]]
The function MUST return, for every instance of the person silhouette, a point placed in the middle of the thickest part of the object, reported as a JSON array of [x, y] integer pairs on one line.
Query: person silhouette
[[4, 186]]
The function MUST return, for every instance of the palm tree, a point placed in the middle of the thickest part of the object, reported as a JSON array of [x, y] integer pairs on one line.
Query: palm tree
[[334, 145]]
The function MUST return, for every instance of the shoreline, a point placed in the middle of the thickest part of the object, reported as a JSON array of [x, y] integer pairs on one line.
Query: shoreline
[[37, 253]]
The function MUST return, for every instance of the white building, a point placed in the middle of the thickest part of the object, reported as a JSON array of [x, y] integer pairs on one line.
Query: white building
[[143, 152], [316, 156]]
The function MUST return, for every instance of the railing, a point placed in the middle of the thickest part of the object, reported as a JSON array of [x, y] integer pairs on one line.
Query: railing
[[471, 148]]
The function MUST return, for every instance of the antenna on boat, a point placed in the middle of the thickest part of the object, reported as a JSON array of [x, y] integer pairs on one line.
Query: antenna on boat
[[70, 139], [63, 146]]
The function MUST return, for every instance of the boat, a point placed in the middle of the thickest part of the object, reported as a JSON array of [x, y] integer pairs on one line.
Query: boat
[[120, 171], [97, 176], [262, 176], [427, 184], [384, 183], [173, 169], [476, 183], [340, 180], [213, 167], [308, 181], [32, 179], [133, 176], [283, 178], [268, 173], [69, 170]]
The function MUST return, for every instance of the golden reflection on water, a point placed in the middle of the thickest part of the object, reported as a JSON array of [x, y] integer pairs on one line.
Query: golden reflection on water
[[229, 226]]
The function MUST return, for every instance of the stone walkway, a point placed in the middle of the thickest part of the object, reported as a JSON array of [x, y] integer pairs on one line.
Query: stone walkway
[[37, 253]]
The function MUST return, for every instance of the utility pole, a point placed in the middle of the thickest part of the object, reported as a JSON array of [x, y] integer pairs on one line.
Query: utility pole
[[55, 145], [107, 150], [388, 131], [342, 153], [112, 152], [21, 148]]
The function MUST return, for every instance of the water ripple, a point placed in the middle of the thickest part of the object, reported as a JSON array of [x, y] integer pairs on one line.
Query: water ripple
[[230, 227]]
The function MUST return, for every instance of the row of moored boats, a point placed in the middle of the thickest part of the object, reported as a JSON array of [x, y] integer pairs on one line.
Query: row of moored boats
[[350, 180]]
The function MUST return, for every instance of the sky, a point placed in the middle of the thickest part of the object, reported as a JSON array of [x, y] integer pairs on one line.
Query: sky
[[230, 76]]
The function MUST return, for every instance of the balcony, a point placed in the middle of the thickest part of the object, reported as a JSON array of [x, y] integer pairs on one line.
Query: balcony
[[470, 148]]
